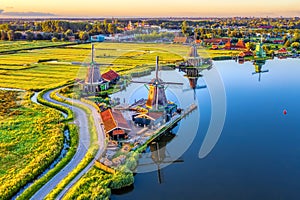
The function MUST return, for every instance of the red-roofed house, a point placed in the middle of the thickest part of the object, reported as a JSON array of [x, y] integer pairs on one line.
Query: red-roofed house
[[240, 45], [111, 76], [114, 123], [278, 41], [180, 40], [228, 45], [282, 51]]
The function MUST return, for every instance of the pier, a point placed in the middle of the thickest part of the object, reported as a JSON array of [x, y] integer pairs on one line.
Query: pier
[[169, 125]]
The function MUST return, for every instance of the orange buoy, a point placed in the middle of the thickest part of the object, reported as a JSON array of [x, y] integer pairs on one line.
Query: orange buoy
[[284, 111]]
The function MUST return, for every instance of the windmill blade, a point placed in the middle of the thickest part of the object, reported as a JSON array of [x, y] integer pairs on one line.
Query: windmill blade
[[156, 68], [159, 174], [263, 71], [200, 87], [172, 83], [144, 82], [89, 64], [102, 64]]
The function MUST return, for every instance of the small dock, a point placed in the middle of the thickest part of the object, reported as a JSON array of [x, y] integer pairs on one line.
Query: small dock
[[169, 125]]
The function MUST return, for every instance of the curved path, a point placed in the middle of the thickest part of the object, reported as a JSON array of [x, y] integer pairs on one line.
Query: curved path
[[81, 119]]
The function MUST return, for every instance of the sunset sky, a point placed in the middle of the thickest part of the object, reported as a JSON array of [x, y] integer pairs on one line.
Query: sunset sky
[[153, 8]]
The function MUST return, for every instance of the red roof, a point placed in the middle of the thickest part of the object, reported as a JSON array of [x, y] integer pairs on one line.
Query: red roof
[[108, 120], [278, 41], [120, 120], [282, 50], [118, 132], [228, 45], [110, 75], [113, 119], [217, 40], [180, 39], [240, 44]]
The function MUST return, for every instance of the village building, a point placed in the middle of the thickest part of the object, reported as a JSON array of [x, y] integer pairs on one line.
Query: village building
[[240, 45], [228, 46], [97, 38], [180, 40], [152, 119], [217, 41], [115, 125], [283, 51], [111, 76]]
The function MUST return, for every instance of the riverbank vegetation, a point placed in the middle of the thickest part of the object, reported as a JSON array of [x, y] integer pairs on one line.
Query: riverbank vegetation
[[97, 184], [31, 138]]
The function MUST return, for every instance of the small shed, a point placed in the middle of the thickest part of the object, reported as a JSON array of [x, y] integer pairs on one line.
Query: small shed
[[97, 38]]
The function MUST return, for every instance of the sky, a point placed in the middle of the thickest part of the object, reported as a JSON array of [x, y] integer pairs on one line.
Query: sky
[[150, 8]]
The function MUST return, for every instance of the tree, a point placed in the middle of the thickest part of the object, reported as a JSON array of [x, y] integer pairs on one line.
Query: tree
[[111, 28], [295, 45], [39, 36], [3, 35], [11, 35], [184, 27], [69, 32], [29, 35], [84, 36], [54, 39], [18, 35], [287, 43]]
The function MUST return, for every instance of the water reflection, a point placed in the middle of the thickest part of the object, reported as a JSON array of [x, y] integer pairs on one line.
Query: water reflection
[[159, 154], [258, 68]]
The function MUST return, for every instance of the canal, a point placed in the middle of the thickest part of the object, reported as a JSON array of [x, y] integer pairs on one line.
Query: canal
[[255, 154]]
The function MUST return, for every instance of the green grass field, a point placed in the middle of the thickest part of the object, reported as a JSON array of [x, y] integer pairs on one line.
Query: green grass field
[[23, 69], [18, 45], [30, 140]]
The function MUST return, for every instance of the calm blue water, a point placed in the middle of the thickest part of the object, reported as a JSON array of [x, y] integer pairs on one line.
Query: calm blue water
[[258, 153]]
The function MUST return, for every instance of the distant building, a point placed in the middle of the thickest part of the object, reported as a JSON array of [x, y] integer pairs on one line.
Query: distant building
[[282, 51], [217, 41], [97, 38], [71, 38], [240, 45], [278, 41], [228, 46], [214, 47], [180, 40]]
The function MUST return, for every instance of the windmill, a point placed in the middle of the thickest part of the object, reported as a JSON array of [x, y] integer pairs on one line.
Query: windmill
[[193, 67], [157, 96], [93, 81], [159, 155], [258, 69]]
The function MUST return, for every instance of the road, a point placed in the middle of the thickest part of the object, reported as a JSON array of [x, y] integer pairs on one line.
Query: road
[[81, 119]]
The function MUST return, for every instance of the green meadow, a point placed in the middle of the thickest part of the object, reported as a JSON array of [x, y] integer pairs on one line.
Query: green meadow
[[43, 68]]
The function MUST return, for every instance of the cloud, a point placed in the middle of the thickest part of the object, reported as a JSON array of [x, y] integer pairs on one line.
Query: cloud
[[1, 11], [27, 14]]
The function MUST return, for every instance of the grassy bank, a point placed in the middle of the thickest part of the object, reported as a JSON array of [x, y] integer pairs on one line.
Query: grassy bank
[[86, 160], [73, 130]]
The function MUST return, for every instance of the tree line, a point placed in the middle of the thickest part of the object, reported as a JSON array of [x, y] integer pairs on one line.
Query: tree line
[[57, 29]]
